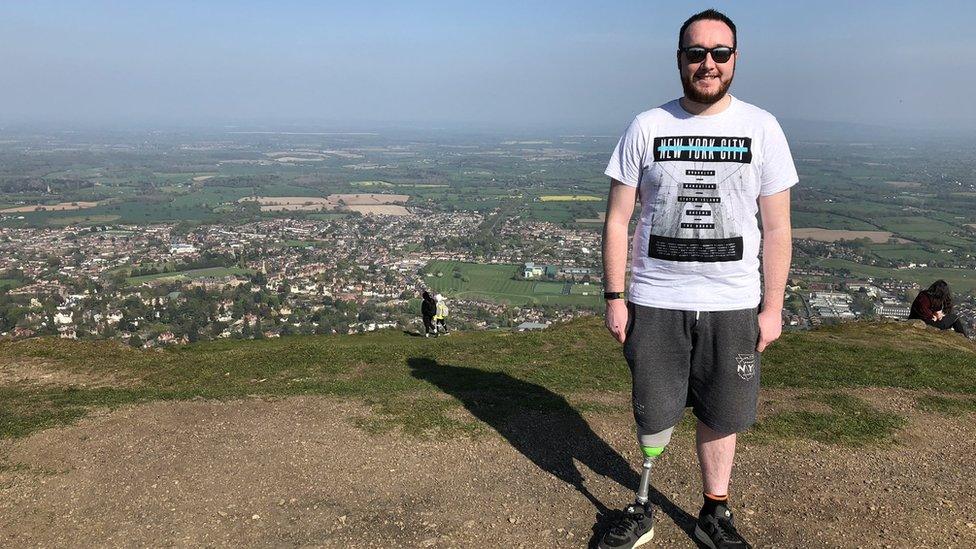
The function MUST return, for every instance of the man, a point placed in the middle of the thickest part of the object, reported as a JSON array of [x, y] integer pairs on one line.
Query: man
[[691, 327], [428, 309]]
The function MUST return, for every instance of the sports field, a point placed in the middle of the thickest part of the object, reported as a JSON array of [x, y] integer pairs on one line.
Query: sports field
[[191, 274], [569, 198], [496, 283]]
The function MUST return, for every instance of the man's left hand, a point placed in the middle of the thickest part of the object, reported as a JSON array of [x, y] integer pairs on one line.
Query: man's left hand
[[770, 327]]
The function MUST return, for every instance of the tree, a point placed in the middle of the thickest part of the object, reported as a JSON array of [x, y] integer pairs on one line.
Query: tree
[[193, 332]]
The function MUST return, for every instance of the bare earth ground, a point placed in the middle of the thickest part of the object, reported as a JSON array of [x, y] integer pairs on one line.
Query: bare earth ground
[[299, 472], [59, 207], [377, 203]]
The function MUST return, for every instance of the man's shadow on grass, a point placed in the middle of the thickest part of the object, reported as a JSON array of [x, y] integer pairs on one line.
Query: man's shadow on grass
[[545, 428]]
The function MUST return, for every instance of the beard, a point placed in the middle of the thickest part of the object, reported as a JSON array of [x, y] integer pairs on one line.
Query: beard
[[697, 96]]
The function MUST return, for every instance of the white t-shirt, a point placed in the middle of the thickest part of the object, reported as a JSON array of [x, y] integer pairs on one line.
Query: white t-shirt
[[696, 247]]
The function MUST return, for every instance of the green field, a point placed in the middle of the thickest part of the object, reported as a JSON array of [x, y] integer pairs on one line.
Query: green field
[[904, 252], [326, 216], [960, 280], [82, 220], [495, 283], [570, 198], [9, 283], [208, 203], [371, 184], [824, 220], [189, 275], [185, 177]]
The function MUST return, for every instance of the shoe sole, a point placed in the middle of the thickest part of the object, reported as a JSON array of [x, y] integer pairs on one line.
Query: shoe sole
[[645, 538], [701, 536], [640, 541]]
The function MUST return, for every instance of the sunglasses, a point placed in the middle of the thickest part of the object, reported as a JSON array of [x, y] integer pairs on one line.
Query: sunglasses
[[696, 54]]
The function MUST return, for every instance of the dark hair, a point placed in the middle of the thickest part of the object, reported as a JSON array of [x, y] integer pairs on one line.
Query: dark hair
[[940, 297], [426, 296], [707, 15]]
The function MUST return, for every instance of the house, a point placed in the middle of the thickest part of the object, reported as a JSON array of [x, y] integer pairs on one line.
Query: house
[[63, 318], [532, 271], [899, 312]]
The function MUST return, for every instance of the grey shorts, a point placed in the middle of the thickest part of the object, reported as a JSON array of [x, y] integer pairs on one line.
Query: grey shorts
[[705, 360]]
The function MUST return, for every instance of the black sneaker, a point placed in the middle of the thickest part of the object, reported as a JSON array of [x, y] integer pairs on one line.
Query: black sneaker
[[717, 530], [634, 527]]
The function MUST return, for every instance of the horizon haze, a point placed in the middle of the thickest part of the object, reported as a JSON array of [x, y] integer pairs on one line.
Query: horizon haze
[[440, 65]]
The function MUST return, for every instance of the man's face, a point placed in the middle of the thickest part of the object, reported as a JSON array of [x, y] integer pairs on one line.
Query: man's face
[[706, 81]]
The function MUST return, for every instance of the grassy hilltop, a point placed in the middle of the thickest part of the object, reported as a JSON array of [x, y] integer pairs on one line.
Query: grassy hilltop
[[418, 385]]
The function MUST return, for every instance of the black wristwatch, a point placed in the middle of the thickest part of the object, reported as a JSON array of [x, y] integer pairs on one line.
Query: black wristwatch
[[613, 295]]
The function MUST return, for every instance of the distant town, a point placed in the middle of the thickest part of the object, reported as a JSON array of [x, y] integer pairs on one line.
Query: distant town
[[263, 279], [169, 238], [156, 285]]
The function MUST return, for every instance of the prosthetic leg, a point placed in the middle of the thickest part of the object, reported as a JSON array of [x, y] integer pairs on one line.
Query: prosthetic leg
[[636, 526], [652, 445], [650, 454]]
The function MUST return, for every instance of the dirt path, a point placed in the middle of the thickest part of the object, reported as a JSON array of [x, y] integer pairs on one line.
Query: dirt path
[[298, 471]]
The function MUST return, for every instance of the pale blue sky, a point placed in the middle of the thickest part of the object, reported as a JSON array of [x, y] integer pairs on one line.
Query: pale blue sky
[[518, 64]]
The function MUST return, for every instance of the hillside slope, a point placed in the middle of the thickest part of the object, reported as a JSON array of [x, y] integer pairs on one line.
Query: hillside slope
[[476, 439]]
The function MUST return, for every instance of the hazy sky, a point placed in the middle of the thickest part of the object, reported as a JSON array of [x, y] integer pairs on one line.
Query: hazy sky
[[522, 64]]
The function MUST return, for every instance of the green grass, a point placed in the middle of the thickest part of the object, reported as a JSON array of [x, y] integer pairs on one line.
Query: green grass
[[10, 282], [193, 273], [947, 406], [849, 421], [871, 355], [137, 204], [960, 280], [471, 382], [905, 252], [82, 220], [371, 184], [327, 216], [496, 283]]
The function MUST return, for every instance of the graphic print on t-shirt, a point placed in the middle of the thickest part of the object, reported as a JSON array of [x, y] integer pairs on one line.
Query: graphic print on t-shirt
[[694, 219]]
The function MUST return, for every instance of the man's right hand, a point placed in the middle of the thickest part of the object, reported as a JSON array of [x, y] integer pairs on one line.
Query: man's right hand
[[616, 318]]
